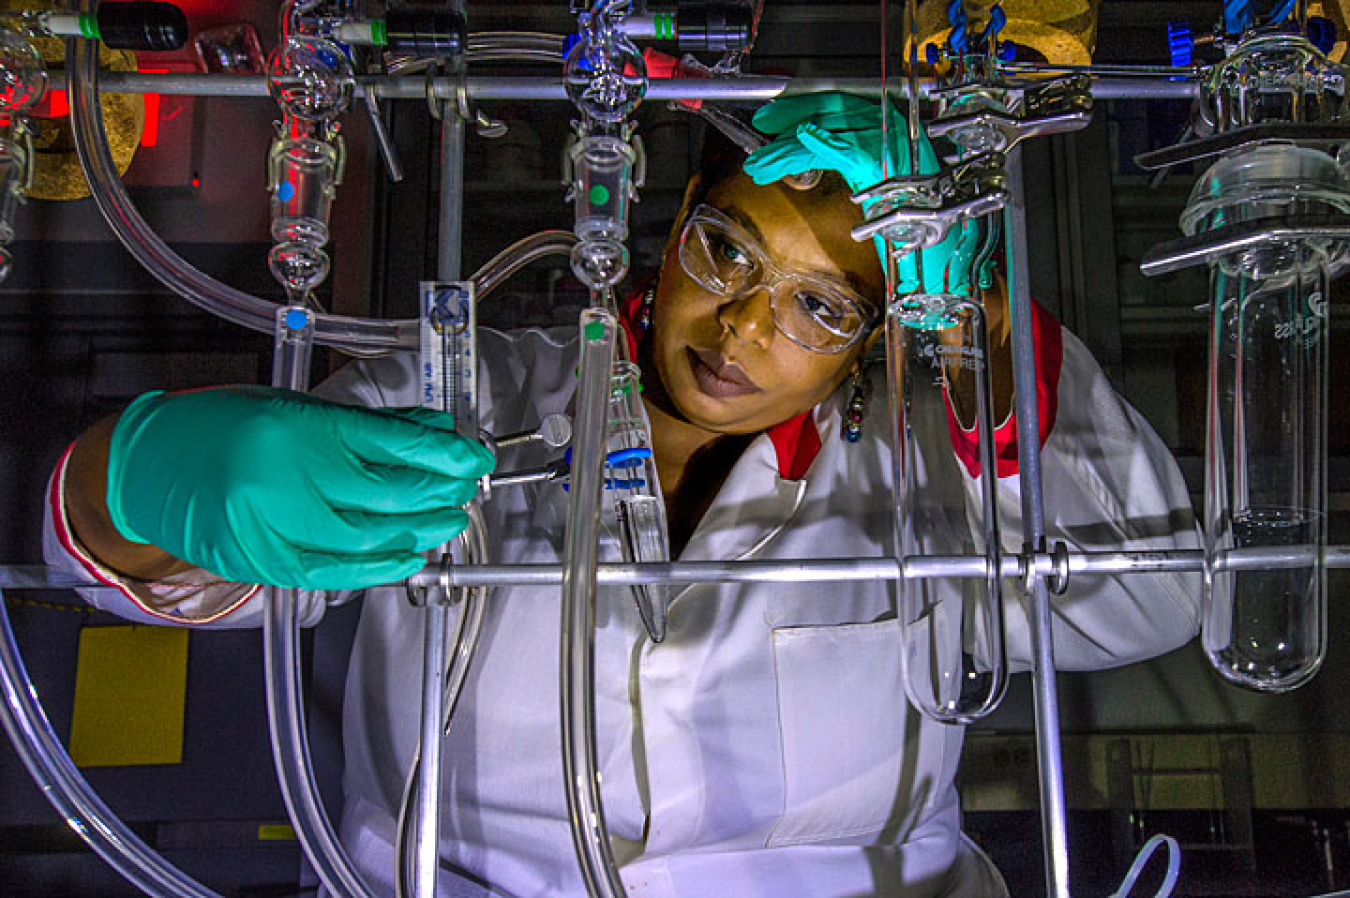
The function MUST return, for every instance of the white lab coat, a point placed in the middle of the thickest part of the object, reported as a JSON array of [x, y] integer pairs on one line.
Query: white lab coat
[[766, 747]]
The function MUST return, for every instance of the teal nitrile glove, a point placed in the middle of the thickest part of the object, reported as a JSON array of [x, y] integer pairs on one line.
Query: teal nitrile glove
[[842, 133], [262, 485]]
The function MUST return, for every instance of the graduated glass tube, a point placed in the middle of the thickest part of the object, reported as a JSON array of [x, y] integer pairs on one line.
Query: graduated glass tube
[[1265, 455]]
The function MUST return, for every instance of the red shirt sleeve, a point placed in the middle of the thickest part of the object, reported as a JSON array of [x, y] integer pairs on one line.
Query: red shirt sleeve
[[1048, 342]]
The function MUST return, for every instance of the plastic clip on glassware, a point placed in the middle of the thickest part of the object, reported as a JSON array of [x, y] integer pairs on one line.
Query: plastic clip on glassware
[[1272, 222]]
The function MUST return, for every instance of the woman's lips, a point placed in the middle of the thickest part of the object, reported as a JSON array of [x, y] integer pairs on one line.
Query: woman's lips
[[717, 377]]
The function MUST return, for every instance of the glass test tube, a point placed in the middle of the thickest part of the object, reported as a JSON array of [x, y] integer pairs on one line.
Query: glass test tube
[[938, 365], [1265, 467], [632, 480], [953, 641]]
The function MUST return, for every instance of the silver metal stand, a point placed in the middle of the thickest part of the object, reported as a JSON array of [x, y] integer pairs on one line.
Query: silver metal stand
[[1049, 752], [751, 87]]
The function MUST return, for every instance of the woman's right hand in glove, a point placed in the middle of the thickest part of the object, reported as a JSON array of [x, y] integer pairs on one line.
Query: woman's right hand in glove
[[262, 485]]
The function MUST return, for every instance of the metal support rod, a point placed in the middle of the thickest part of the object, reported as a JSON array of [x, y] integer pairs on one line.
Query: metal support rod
[[436, 615], [1049, 752], [788, 570], [752, 87], [427, 822]]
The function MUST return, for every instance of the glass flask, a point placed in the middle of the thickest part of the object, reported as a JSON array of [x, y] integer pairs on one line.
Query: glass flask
[[310, 78], [604, 74]]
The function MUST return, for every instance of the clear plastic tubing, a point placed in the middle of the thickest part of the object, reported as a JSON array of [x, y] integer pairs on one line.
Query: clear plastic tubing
[[590, 836], [294, 330], [56, 775], [953, 648], [204, 291]]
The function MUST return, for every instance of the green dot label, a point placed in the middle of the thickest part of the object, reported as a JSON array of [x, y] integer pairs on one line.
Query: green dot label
[[595, 330], [598, 195]]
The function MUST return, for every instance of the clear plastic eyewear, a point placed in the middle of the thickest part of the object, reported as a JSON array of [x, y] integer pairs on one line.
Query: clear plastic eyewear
[[811, 311]]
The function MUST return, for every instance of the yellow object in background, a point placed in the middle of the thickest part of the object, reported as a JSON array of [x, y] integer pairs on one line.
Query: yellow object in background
[[130, 694]]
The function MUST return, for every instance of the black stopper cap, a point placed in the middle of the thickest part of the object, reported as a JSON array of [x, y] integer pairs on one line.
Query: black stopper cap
[[714, 26], [426, 32], [142, 26]]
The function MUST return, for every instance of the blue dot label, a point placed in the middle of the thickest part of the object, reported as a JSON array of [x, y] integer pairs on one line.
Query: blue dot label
[[297, 319], [285, 190]]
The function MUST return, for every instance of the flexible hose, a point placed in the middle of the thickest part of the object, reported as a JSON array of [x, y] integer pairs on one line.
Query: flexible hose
[[61, 782], [290, 749], [1145, 853], [202, 290]]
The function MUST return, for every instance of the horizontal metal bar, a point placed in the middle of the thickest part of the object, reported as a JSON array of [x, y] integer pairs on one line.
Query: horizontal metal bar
[[752, 87], [1315, 134], [1210, 246], [796, 570]]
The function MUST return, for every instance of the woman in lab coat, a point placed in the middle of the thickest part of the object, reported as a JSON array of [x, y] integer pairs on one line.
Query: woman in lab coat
[[765, 748]]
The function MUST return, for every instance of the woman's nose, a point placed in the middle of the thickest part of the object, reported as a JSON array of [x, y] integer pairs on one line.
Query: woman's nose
[[750, 315]]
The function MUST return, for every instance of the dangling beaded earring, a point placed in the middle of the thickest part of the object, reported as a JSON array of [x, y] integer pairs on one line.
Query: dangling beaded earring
[[644, 321], [850, 430]]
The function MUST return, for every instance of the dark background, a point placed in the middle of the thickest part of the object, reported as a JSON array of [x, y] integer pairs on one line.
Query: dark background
[[1255, 786]]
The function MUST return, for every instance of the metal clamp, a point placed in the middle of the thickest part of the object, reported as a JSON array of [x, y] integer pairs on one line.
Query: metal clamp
[[1322, 135], [1057, 581], [1056, 108], [917, 211], [1210, 246]]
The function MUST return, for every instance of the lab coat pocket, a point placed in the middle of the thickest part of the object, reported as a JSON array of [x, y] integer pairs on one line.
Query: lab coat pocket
[[859, 763]]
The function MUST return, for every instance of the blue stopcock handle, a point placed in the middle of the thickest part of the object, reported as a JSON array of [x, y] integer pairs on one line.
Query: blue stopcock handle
[[1180, 43], [618, 460]]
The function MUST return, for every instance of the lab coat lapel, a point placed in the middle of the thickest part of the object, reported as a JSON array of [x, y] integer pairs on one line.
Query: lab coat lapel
[[752, 506]]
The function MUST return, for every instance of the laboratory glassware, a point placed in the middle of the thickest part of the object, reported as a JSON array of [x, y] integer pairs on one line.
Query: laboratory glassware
[[1265, 516]]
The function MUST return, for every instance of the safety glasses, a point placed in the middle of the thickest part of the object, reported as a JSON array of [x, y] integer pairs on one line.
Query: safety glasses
[[811, 311]]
